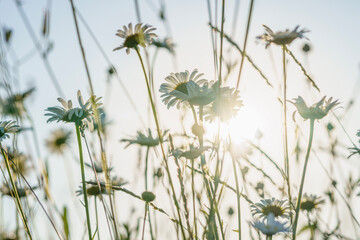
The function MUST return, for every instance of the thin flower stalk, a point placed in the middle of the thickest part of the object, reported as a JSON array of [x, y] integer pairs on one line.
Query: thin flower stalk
[[96, 116], [221, 40], [237, 196], [99, 186], [145, 214], [182, 186], [298, 204], [286, 150], [16, 197], [77, 127], [245, 42], [161, 141], [302, 68]]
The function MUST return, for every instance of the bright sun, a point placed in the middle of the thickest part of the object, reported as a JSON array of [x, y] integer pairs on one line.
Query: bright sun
[[243, 126]]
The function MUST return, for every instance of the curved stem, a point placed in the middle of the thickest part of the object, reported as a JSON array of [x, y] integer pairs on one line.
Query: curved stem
[[245, 42], [143, 230], [16, 197], [97, 218], [146, 168], [77, 126], [237, 196], [303, 178], [286, 150], [161, 144]]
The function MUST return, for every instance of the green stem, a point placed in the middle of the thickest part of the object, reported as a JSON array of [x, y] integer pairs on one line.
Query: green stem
[[221, 40], [193, 195], [237, 196], [245, 42], [143, 230], [297, 211], [146, 168], [97, 218], [77, 127], [16, 197], [286, 149], [161, 143]]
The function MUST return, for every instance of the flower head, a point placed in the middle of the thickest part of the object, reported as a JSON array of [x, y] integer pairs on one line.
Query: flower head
[[200, 95], [92, 190], [141, 35], [58, 140], [166, 43], [22, 192], [191, 154], [14, 104], [143, 139], [148, 196], [278, 208], [67, 113], [18, 161], [269, 226], [310, 202], [281, 38], [316, 111], [175, 91], [225, 106], [7, 127]]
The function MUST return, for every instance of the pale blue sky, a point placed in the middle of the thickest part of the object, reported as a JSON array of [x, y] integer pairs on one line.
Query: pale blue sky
[[334, 61]]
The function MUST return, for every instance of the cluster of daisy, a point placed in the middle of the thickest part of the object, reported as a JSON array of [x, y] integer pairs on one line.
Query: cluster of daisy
[[267, 214], [186, 89]]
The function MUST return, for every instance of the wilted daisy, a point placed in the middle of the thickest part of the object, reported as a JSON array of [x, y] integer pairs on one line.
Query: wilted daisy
[[316, 111], [58, 140], [7, 127], [269, 226], [14, 105], [143, 139], [176, 89], [18, 161], [98, 167], [92, 190], [67, 113], [278, 208], [166, 43], [141, 35], [191, 154], [225, 106], [22, 192], [311, 202], [283, 37]]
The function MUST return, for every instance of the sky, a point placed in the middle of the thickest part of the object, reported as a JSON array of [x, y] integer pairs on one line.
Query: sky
[[333, 62]]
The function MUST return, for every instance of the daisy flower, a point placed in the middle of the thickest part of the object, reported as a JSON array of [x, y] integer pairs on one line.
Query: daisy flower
[[19, 163], [191, 154], [175, 90], [199, 95], [275, 207], [316, 111], [14, 105], [269, 226], [92, 190], [142, 139], [225, 106], [140, 35], [58, 140], [311, 202], [283, 37], [166, 43], [78, 115], [7, 127]]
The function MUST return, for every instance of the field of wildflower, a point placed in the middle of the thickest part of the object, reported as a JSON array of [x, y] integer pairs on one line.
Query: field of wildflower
[[190, 120]]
